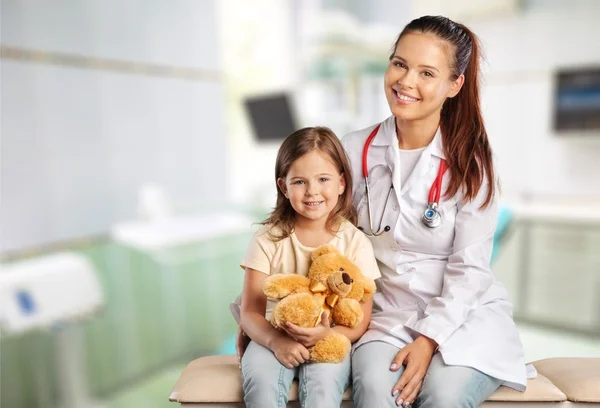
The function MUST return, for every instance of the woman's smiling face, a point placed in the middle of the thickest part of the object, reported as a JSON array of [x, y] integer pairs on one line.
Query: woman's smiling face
[[420, 77]]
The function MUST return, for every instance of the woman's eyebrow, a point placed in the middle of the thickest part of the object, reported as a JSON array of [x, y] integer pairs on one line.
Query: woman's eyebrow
[[421, 66]]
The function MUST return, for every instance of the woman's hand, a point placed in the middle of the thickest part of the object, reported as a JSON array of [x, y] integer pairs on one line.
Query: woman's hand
[[241, 342], [289, 352], [308, 337], [416, 357]]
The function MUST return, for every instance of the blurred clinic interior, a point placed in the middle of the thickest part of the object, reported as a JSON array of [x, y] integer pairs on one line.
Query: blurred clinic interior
[[138, 147]]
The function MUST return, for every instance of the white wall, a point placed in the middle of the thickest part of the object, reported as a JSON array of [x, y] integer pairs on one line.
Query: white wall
[[261, 55], [523, 51], [78, 141]]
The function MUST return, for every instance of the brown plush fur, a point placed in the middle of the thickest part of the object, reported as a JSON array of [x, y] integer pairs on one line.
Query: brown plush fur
[[299, 305]]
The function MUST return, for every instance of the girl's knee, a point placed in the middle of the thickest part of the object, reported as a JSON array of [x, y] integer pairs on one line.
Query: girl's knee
[[328, 376]]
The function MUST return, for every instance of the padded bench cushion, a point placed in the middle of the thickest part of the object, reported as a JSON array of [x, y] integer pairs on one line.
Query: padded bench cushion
[[217, 379], [578, 378]]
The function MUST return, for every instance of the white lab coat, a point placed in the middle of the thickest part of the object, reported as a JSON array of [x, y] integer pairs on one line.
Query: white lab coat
[[436, 282]]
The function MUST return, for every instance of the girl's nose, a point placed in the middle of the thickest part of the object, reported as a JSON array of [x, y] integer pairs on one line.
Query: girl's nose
[[312, 189]]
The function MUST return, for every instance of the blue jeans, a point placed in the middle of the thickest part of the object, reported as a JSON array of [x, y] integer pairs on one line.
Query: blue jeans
[[267, 382], [444, 386]]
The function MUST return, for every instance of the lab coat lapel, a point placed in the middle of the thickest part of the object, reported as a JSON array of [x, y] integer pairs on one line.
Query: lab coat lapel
[[423, 166], [392, 157]]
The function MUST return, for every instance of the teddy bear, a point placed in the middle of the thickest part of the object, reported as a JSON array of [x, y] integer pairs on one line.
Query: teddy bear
[[334, 285]]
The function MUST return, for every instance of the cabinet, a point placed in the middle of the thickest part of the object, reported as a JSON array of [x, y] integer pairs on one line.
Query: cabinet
[[552, 273]]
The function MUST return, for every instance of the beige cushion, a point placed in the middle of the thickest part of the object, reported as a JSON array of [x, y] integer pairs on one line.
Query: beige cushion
[[579, 378], [218, 379], [538, 389]]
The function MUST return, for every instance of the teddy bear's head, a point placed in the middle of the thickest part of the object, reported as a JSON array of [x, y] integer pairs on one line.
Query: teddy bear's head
[[333, 274]]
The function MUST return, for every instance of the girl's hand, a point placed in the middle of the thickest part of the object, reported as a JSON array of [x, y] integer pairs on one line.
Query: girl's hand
[[416, 357], [289, 352], [308, 337], [241, 342]]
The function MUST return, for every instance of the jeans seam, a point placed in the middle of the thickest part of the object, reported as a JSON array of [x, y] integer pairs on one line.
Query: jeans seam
[[280, 389], [303, 385]]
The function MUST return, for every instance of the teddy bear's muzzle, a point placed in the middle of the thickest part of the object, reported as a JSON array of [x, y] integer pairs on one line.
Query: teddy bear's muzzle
[[340, 283]]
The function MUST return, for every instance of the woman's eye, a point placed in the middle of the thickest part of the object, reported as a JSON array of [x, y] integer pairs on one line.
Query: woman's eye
[[400, 65], [428, 74]]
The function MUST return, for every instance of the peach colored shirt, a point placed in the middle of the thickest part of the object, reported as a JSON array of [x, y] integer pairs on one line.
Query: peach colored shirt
[[289, 255]]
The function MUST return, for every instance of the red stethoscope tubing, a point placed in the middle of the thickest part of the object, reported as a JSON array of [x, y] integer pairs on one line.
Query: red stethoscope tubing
[[436, 187]]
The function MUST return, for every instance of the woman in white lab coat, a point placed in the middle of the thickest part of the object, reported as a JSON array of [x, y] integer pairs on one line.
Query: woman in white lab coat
[[442, 333]]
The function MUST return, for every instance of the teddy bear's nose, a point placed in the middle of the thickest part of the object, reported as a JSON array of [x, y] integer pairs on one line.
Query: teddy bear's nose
[[346, 278]]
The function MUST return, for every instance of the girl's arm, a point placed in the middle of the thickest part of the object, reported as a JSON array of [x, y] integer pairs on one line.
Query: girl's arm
[[310, 336], [254, 305]]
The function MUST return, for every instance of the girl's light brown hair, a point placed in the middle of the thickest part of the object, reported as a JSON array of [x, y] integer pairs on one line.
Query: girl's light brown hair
[[296, 145], [464, 136]]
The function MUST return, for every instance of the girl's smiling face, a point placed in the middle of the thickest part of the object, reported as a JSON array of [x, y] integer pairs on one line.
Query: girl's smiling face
[[313, 186]]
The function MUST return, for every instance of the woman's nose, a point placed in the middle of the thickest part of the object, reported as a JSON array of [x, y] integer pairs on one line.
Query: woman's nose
[[407, 80]]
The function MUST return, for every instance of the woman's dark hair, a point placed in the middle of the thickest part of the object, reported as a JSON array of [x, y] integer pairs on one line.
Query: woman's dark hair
[[296, 145], [464, 136]]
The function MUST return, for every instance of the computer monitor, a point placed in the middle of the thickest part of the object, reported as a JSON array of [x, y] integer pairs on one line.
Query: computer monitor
[[577, 100], [271, 116]]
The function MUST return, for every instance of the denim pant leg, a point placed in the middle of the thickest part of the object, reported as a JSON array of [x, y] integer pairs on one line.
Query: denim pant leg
[[447, 386], [372, 379], [266, 381], [321, 385]]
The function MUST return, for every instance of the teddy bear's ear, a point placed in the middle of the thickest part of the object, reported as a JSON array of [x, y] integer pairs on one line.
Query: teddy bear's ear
[[322, 250]]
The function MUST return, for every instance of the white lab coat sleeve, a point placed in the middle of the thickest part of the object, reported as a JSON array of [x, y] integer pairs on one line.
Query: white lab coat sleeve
[[468, 275]]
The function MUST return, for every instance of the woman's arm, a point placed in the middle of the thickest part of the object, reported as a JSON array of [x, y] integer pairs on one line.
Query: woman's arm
[[468, 274], [467, 278]]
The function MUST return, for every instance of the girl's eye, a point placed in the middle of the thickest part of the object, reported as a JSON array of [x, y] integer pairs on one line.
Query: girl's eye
[[298, 182], [324, 179]]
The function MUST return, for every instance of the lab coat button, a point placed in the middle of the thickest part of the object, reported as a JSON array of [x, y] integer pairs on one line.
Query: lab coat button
[[395, 207]]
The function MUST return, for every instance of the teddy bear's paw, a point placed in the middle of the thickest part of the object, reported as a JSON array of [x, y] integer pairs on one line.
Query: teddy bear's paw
[[302, 309], [331, 349], [280, 285], [347, 313]]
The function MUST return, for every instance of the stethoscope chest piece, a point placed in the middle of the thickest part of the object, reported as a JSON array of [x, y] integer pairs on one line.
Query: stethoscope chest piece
[[431, 217]]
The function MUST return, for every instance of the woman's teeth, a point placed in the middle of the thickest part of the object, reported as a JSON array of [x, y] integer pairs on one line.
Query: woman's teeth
[[405, 98]]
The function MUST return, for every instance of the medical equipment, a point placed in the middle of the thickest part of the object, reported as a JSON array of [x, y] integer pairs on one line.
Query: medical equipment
[[51, 293], [431, 216]]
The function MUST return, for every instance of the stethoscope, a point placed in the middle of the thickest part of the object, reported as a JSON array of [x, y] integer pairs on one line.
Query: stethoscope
[[431, 217]]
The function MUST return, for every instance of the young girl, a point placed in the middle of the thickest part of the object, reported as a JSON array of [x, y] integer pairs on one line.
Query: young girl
[[314, 207], [442, 334]]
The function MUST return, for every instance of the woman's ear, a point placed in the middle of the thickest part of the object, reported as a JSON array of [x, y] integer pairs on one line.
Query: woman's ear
[[456, 86], [282, 187]]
